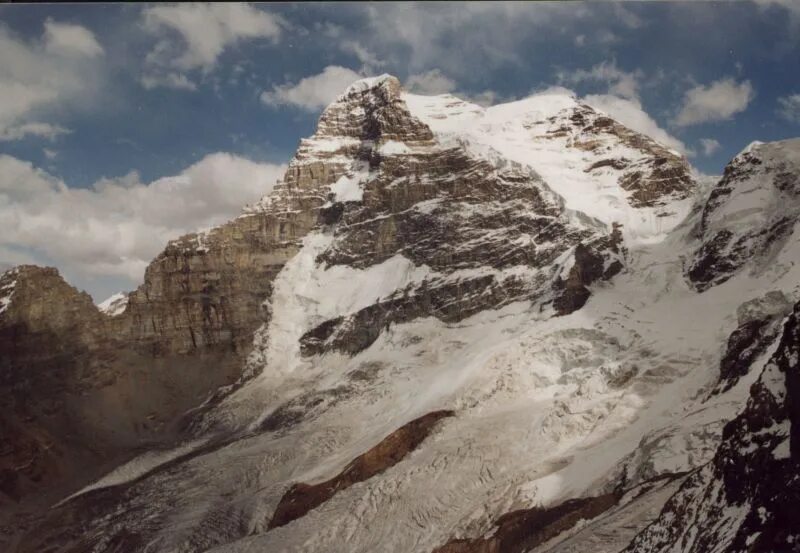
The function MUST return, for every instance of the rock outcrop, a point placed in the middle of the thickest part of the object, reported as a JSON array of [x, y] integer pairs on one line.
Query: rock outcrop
[[746, 499], [760, 322], [658, 178], [300, 498]]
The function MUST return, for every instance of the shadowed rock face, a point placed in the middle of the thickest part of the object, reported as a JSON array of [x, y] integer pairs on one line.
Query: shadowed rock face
[[598, 260], [747, 498], [83, 389], [49, 332], [302, 498]]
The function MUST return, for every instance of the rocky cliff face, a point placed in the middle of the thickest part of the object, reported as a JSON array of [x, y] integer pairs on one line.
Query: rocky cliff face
[[448, 328], [49, 331], [745, 499]]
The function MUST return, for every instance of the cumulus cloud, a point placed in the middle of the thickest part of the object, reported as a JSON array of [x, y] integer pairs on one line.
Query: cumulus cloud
[[314, 92], [55, 70], [631, 114], [361, 53], [43, 130], [455, 37], [116, 227], [193, 36], [167, 80], [485, 98], [430, 82], [718, 101], [710, 146], [460, 37], [789, 107], [624, 84], [69, 40]]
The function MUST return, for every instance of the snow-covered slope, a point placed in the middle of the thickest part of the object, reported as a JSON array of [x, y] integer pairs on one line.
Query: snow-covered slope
[[466, 352], [598, 166]]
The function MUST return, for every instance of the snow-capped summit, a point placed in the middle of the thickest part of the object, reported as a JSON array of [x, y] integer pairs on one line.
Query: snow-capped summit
[[367, 83], [750, 214], [114, 304], [600, 167]]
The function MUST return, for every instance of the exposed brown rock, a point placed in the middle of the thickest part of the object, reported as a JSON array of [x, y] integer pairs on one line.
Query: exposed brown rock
[[302, 498], [522, 530]]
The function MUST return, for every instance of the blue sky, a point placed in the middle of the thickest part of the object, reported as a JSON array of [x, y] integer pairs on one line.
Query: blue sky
[[110, 109]]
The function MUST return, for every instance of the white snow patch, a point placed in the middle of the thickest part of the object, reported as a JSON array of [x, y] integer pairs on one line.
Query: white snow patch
[[365, 84], [114, 304], [307, 294], [350, 186], [394, 147]]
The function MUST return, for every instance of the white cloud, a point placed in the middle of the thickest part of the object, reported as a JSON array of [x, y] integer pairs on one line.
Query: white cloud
[[789, 107], [36, 76], [119, 225], [710, 146], [718, 101], [42, 130], [486, 98], [314, 92], [620, 83], [631, 114], [456, 37], [177, 81], [50, 154], [66, 39], [359, 51], [435, 82], [193, 36], [430, 82]]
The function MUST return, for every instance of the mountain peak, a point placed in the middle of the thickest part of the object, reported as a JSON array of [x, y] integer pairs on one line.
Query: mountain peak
[[385, 82]]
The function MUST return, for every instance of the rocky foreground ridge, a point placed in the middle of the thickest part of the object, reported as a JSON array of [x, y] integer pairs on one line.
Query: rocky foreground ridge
[[448, 328]]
